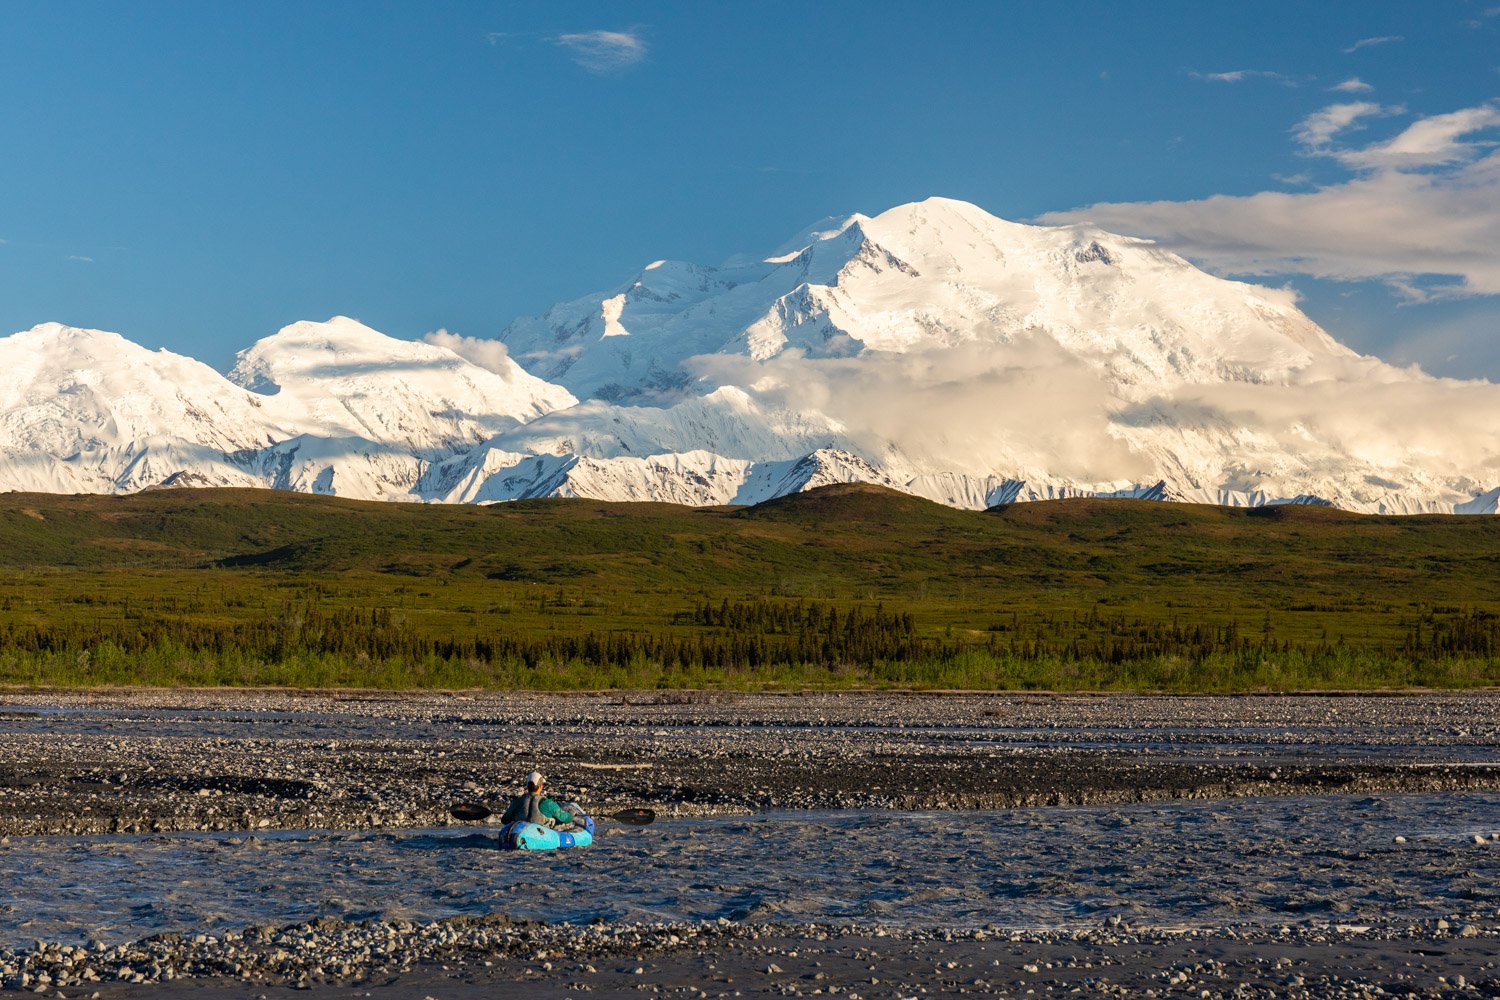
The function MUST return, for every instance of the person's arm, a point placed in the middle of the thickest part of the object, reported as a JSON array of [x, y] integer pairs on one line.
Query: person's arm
[[555, 812]]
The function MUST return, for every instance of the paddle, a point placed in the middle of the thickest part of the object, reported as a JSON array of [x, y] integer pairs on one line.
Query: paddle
[[471, 811]]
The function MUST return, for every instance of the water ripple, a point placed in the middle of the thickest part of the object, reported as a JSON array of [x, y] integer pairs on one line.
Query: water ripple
[[1258, 860]]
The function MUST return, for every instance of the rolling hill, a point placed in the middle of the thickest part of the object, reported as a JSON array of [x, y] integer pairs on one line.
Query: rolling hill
[[245, 586]]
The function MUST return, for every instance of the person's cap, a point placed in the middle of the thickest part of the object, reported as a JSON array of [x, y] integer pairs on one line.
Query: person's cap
[[534, 779]]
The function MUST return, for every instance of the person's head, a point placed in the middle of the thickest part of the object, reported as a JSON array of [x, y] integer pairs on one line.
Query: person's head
[[534, 781]]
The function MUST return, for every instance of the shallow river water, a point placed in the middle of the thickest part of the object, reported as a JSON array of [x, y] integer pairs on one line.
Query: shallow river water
[[1250, 860]]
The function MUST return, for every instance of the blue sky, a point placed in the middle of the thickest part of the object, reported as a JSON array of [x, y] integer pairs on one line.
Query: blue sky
[[196, 176]]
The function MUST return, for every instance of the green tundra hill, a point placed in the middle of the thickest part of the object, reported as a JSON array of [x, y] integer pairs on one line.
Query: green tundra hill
[[840, 586]]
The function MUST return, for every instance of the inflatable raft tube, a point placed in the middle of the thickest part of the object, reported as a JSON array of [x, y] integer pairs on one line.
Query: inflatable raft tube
[[532, 837]]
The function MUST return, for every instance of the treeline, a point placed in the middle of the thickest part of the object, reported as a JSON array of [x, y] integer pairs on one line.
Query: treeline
[[748, 643], [815, 633], [1120, 639], [1461, 631], [735, 637]]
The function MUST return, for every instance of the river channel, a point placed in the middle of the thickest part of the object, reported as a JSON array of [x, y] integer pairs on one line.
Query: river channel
[[1271, 861]]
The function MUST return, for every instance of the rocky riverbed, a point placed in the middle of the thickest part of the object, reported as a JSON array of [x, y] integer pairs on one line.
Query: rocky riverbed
[[224, 760], [1367, 866], [480, 957]]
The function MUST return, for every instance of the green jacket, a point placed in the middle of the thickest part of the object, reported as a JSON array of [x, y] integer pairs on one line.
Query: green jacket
[[533, 808]]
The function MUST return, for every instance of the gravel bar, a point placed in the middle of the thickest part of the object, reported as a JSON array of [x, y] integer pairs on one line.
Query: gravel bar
[[163, 761], [473, 956]]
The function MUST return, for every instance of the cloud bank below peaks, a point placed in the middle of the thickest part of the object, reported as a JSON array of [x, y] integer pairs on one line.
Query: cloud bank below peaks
[[1032, 410], [1029, 410]]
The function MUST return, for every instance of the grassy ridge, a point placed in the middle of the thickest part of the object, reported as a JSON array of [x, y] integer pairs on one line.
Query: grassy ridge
[[250, 587]]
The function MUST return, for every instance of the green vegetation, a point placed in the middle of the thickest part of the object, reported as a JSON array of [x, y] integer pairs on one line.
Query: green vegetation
[[846, 586]]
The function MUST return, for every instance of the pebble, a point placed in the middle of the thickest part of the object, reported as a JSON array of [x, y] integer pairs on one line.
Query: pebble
[[329, 951]]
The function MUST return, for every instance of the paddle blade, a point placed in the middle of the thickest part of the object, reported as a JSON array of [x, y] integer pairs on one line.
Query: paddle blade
[[470, 811], [634, 817]]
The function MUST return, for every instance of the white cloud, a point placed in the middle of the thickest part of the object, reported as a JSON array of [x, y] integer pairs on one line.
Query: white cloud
[[490, 355], [1033, 410], [1430, 141], [1421, 212], [604, 51], [1318, 129], [1237, 75], [1386, 420], [963, 407], [1365, 43], [1353, 85], [80, 259]]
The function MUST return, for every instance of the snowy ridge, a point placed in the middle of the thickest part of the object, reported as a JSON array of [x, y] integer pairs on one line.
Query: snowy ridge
[[932, 348], [345, 379]]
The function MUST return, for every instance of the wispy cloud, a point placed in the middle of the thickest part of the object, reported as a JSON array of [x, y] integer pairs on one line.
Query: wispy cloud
[[1353, 85], [604, 51], [1365, 43], [1420, 211], [1239, 76], [1317, 131], [80, 259], [1438, 140]]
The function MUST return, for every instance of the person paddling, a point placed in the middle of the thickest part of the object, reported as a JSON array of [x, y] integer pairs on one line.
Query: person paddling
[[533, 807]]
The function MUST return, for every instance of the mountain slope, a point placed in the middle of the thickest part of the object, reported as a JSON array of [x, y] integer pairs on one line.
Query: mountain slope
[[213, 587]]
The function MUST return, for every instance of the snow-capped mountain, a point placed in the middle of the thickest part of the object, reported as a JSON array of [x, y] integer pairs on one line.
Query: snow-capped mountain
[[922, 277], [343, 378], [329, 407], [83, 411], [932, 348]]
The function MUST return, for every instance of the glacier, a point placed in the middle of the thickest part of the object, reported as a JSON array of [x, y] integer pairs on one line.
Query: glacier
[[933, 349]]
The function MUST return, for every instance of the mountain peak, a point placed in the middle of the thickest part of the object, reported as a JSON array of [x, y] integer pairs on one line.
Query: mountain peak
[[338, 336], [61, 337], [57, 352], [345, 379]]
